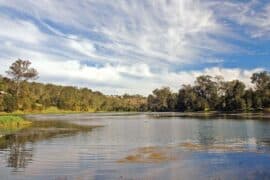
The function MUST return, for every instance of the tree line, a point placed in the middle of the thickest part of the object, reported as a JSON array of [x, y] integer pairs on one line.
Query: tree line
[[207, 94], [214, 94], [17, 93]]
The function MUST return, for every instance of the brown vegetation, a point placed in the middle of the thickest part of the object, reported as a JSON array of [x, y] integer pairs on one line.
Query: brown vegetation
[[148, 155]]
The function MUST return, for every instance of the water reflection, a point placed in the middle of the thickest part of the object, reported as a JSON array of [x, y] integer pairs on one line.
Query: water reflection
[[19, 154], [137, 147], [20, 145], [206, 133]]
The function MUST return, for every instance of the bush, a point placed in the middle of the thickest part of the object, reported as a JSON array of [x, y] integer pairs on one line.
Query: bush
[[9, 103]]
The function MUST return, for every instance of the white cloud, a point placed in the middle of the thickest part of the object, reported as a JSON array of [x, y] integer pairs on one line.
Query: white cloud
[[131, 79], [253, 16], [19, 30], [120, 79], [177, 79], [83, 47], [168, 32], [127, 46]]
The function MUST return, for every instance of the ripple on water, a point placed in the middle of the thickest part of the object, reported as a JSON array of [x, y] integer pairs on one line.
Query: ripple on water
[[130, 148]]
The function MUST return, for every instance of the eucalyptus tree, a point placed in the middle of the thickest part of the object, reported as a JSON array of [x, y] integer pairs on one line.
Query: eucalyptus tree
[[261, 81], [206, 89], [20, 71], [187, 99], [234, 96], [162, 100]]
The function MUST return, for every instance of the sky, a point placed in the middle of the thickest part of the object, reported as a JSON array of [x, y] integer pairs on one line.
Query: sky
[[135, 46]]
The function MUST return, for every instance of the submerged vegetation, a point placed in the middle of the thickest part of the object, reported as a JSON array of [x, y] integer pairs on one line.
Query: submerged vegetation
[[207, 94], [149, 155], [161, 154]]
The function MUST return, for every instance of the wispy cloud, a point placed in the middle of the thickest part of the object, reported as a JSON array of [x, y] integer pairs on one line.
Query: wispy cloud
[[130, 45], [253, 15], [171, 31], [19, 30]]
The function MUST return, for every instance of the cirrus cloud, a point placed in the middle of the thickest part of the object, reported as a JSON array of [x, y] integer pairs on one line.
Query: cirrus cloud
[[133, 46]]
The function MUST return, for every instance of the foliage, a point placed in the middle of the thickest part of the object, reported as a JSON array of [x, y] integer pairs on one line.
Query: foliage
[[36, 97], [9, 103], [213, 93], [162, 100], [20, 71], [262, 88], [21, 95], [207, 94], [233, 99], [12, 122]]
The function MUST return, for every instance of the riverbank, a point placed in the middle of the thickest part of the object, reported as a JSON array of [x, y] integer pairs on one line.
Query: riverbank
[[12, 122], [44, 112], [214, 114], [202, 114]]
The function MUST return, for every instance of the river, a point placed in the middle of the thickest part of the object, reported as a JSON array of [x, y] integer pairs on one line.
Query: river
[[136, 146]]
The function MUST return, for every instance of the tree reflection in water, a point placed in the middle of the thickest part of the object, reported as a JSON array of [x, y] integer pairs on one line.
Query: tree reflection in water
[[19, 145]]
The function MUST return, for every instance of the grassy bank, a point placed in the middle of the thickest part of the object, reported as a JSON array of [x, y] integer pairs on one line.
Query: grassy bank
[[50, 110], [55, 110], [12, 122]]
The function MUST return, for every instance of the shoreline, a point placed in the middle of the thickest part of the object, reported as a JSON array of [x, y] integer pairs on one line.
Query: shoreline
[[203, 115], [13, 122], [214, 114]]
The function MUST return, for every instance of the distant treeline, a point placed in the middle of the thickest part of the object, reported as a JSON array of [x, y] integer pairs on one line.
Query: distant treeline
[[41, 97], [214, 94], [207, 94]]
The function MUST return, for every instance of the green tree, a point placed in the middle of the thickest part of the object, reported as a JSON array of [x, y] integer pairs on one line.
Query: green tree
[[234, 96], [162, 100], [187, 98], [249, 97], [261, 81], [67, 99], [20, 71], [9, 103], [207, 92]]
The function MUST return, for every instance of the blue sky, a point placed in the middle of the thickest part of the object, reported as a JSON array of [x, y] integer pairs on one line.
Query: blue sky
[[127, 46]]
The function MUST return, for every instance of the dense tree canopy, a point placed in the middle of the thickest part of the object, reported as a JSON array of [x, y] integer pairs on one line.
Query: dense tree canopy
[[162, 100], [207, 94], [38, 96], [19, 94], [214, 94], [262, 88]]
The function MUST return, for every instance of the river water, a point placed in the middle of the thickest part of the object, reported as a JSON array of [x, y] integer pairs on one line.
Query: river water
[[136, 146]]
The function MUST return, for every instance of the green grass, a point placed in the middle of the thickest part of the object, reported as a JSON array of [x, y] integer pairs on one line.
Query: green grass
[[49, 110], [12, 122]]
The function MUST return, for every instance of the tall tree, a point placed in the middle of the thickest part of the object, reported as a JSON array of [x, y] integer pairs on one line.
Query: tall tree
[[162, 100], [20, 71], [261, 80], [262, 88], [187, 99], [207, 92], [234, 96]]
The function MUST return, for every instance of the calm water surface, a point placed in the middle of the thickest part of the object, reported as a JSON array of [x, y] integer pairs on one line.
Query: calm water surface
[[138, 146]]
